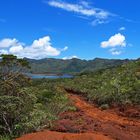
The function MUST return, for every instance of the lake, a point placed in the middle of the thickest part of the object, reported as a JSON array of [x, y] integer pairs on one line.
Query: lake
[[41, 76]]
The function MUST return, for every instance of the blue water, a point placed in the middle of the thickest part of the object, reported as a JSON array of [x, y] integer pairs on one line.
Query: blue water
[[41, 76]]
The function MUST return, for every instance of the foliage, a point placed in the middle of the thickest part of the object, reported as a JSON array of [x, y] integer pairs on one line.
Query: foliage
[[13, 98], [11, 66], [72, 66], [25, 105], [119, 85], [6, 137]]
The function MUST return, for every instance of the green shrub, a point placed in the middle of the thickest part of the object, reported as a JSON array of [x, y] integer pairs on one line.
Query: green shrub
[[118, 85], [6, 137], [104, 106]]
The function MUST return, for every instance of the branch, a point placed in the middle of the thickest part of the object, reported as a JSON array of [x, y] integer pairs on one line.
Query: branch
[[7, 125]]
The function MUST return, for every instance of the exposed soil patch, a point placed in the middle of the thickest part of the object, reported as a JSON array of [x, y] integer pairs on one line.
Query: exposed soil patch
[[129, 111], [49, 135], [89, 118], [132, 111], [91, 123]]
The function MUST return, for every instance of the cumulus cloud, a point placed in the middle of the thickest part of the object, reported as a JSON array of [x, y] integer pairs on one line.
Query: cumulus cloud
[[39, 49], [69, 57], [114, 41], [84, 9], [16, 49], [7, 42]]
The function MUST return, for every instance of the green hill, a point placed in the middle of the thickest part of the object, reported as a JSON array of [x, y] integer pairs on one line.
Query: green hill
[[117, 85], [59, 66]]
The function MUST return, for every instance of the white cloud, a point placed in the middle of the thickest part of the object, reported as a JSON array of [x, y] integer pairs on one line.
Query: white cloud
[[122, 28], [40, 48], [7, 42], [85, 4], [16, 49], [45, 41], [73, 8], [69, 57], [115, 51], [98, 22], [3, 51], [65, 48], [84, 9], [114, 41]]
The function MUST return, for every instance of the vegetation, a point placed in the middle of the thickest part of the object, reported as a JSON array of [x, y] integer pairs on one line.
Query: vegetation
[[74, 66], [26, 106], [4, 137], [119, 85]]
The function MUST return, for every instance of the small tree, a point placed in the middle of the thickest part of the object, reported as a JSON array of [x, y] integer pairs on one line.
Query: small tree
[[15, 103], [11, 66]]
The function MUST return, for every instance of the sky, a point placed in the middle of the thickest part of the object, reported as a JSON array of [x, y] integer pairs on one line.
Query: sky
[[67, 29]]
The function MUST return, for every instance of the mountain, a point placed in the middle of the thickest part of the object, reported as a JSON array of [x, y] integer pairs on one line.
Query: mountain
[[60, 66]]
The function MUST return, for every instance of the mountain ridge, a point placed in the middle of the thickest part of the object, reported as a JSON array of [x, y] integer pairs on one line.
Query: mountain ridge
[[75, 65]]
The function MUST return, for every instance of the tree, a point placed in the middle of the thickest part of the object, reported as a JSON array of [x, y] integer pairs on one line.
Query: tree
[[11, 66], [15, 103]]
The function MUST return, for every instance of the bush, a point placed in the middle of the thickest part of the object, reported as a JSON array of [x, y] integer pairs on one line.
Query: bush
[[104, 106], [118, 85], [6, 137]]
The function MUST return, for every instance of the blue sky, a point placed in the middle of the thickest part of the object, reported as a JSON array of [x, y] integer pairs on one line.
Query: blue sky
[[70, 28]]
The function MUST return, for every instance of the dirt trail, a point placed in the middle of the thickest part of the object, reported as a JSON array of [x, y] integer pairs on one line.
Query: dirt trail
[[50, 135], [104, 116], [89, 123]]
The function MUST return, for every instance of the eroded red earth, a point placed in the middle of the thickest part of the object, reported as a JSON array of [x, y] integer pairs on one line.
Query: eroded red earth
[[91, 123]]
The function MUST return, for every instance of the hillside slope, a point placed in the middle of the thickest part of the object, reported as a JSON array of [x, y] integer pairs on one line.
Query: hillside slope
[[51, 65]]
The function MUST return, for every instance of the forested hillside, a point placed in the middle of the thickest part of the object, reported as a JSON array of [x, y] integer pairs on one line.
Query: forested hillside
[[119, 85], [59, 66]]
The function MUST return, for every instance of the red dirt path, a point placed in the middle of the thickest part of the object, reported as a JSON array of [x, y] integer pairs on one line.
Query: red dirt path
[[89, 123], [50, 135]]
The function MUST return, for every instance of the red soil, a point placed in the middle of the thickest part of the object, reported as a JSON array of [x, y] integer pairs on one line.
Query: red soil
[[90, 123], [49, 135]]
